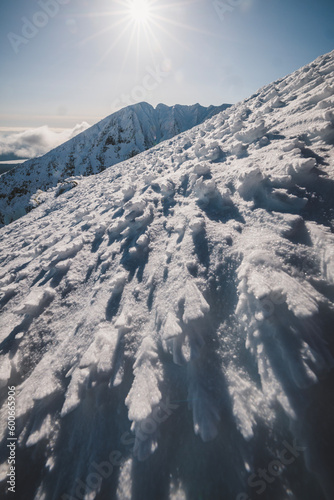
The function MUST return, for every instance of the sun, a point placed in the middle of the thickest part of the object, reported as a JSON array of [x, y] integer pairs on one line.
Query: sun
[[139, 11], [143, 27]]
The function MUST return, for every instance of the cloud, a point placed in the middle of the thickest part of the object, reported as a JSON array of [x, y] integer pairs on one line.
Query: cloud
[[36, 142]]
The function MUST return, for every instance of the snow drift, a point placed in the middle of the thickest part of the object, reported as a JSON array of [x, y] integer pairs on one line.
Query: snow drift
[[168, 323]]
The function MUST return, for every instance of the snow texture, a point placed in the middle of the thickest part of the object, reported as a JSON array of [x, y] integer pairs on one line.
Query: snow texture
[[175, 312]]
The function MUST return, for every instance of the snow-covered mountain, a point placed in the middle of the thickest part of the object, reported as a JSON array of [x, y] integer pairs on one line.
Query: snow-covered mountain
[[168, 323], [118, 137]]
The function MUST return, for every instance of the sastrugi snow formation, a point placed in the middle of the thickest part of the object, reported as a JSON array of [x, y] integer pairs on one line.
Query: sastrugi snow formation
[[168, 323]]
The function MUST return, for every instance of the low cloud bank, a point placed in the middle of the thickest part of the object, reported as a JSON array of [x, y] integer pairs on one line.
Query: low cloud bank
[[36, 142]]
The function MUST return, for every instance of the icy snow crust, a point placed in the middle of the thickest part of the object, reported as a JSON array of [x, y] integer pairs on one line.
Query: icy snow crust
[[118, 137], [193, 283]]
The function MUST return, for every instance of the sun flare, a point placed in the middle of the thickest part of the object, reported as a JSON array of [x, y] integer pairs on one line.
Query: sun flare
[[144, 27], [139, 11]]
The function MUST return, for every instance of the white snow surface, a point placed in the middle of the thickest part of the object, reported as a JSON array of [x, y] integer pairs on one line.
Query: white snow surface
[[178, 308]]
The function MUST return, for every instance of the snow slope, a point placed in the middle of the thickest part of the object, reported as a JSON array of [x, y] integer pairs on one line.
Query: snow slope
[[168, 323], [118, 137]]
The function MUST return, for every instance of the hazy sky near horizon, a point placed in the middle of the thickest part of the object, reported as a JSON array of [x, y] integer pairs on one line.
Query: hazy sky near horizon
[[86, 58]]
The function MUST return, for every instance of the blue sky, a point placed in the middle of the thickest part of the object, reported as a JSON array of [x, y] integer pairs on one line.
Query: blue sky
[[92, 56]]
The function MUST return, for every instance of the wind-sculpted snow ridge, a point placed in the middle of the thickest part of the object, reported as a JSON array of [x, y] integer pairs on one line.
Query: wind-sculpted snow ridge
[[168, 323], [118, 137]]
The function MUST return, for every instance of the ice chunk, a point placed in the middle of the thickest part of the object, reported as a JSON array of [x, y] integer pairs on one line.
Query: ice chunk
[[249, 183], [36, 301], [253, 133], [172, 327], [43, 432], [202, 169], [73, 395], [144, 394], [195, 306], [101, 351]]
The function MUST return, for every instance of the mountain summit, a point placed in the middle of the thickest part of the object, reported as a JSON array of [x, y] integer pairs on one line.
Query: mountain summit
[[167, 324], [118, 137]]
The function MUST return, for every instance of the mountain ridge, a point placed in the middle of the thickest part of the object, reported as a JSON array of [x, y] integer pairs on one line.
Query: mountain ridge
[[119, 136]]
